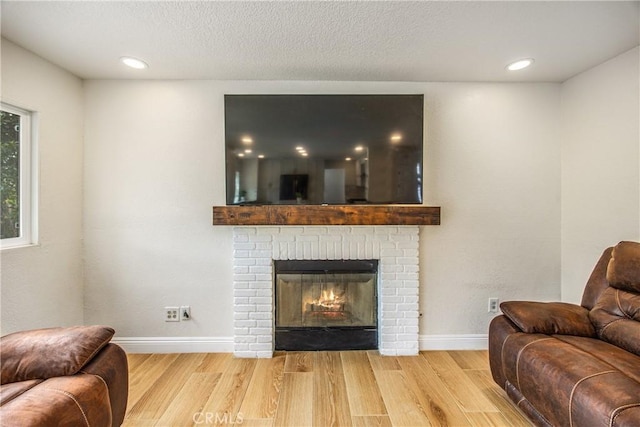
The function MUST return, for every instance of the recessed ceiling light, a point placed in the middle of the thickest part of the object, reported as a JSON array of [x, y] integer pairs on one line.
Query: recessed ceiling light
[[248, 151], [520, 64], [359, 148], [261, 156], [300, 148], [396, 137], [348, 159], [247, 140], [240, 154], [134, 62]]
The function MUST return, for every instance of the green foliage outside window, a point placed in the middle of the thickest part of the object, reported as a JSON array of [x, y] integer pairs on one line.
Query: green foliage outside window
[[9, 175]]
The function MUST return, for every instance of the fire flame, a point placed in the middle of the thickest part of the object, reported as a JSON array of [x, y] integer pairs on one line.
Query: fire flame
[[329, 298], [329, 305]]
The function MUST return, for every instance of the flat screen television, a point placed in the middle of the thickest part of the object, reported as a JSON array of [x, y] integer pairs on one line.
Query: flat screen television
[[324, 149]]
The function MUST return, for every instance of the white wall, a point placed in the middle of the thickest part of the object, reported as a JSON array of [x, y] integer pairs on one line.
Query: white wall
[[154, 162], [42, 286], [492, 163], [600, 166], [154, 166]]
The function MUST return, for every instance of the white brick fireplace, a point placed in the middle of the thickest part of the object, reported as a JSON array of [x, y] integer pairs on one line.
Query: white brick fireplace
[[256, 247]]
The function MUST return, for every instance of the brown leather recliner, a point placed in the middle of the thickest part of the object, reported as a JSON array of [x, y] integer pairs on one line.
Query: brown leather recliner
[[576, 365], [63, 377]]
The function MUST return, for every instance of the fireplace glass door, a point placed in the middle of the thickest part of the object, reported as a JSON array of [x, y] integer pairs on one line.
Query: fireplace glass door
[[326, 305], [326, 300]]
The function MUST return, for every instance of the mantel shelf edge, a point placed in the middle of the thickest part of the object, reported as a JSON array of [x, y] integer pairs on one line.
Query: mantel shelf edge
[[326, 215]]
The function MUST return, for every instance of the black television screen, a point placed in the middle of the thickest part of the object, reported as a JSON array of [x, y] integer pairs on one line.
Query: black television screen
[[324, 149]]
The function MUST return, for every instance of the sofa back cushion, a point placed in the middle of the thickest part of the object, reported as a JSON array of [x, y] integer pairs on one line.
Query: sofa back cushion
[[616, 318], [616, 314], [623, 270]]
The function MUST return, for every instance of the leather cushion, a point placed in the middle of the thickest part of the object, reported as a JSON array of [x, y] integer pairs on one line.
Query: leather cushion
[[623, 271], [567, 385], [77, 400], [620, 359], [10, 391], [549, 318], [616, 317], [47, 353]]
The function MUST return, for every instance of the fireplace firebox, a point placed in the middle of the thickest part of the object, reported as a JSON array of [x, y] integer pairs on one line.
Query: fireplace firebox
[[326, 305]]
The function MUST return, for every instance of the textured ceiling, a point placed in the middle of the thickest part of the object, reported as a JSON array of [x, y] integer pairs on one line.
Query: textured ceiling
[[325, 40]]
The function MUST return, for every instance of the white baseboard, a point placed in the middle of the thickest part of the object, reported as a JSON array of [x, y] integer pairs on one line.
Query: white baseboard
[[454, 342], [225, 344], [175, 344]]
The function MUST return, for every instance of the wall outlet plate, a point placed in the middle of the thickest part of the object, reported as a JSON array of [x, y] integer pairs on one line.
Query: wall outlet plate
[[494, 305], [185, 312], [171, 314]]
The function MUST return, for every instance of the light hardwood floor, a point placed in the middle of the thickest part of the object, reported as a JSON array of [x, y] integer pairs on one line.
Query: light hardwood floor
[[349, 388]]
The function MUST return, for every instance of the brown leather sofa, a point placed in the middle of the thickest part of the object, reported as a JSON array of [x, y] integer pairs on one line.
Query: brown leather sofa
[[576, 365], [62, 377]]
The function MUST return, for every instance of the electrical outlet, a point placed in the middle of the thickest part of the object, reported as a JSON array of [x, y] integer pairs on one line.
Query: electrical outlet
[[171, 314], [185, 312], [494, 304]]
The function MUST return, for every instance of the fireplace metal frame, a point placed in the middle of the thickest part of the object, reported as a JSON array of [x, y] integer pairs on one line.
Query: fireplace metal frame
[[330, 338]]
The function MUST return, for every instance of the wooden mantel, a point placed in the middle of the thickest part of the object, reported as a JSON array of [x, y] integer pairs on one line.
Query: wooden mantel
[[326, 215]]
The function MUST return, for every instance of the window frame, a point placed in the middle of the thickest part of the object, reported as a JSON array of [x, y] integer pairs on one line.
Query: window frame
[[28, 179]]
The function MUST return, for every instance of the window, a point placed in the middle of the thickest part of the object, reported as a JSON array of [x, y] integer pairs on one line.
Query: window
[[16, 177]]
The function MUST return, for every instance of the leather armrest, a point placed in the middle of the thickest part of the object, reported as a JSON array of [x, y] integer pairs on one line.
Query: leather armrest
[[47, 353], [112, 366], [549, 318]]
